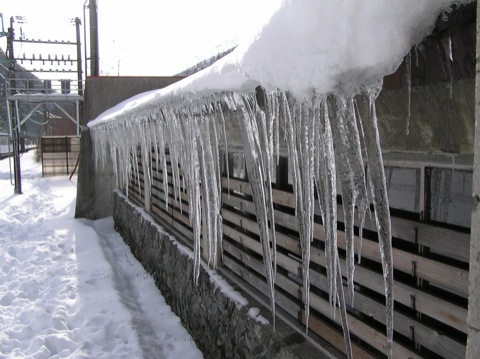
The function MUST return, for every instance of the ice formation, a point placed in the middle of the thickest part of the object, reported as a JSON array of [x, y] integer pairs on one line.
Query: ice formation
[[312, 59]]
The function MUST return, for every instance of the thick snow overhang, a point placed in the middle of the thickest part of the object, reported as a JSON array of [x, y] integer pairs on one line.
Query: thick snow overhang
[[308, 47]]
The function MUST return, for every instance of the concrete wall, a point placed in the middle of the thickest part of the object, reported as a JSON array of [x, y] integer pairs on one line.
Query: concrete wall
[[438, 123], [95, 188]]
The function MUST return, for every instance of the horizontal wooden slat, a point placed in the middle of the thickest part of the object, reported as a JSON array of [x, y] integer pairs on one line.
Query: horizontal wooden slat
[[426, 336], [288, 305], [439, 240], [334, 337], [373, 337], [436, 272], [440, 343], [428, 304], [445, 276]]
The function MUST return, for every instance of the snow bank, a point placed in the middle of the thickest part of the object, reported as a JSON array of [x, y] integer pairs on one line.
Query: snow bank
[[71, 288]]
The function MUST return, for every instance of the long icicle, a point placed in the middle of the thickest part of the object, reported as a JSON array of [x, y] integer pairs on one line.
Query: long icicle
[[378, 189], [299, 137], [351, 171], [247, 118]]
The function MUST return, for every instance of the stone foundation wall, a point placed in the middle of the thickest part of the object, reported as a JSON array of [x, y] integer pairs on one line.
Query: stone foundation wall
[[220, 327]]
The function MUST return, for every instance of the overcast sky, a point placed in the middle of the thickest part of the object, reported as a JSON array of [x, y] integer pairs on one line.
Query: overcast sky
[[148, 37]]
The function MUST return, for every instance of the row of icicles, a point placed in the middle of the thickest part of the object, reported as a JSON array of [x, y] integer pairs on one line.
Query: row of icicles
[[324, 137]]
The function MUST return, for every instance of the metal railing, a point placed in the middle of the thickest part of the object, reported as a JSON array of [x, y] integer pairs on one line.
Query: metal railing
[[23, 86]]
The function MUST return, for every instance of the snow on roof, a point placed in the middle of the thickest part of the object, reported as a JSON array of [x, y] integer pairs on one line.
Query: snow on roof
[[311, 46]]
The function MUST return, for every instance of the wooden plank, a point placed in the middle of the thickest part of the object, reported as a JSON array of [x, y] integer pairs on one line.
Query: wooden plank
[[430, 338], [164, 217], [237, 185], [281, 301], [443, 344], [284, 241], [286, 262], [245, 223], [441, 309], [156, 203], [448, 277], [428, 304], [443, 241], [361, 330], [171, 202], [242, 239], [158, 184], [185, 231], [334, 337], [446, 312], [181, 217], [445, 276]]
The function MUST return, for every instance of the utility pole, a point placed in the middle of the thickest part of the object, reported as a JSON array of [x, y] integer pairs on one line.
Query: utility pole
[[94, 56], [14, 124]]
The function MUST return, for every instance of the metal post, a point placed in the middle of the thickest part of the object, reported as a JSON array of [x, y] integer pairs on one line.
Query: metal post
[[79, 57], [66, 151], [85, 38], [16, 151], [78, 117], [94, 56], [14, 118]]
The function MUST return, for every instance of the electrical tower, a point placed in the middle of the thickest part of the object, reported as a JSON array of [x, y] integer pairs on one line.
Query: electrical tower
[[35, 93]]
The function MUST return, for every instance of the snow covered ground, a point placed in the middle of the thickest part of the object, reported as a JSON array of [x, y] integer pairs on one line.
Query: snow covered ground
[[71, 288]]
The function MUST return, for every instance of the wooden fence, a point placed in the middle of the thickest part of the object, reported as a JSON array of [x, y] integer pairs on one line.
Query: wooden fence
[[430, 257]]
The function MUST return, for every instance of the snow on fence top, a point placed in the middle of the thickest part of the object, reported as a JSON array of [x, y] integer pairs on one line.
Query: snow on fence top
[[312, 58]]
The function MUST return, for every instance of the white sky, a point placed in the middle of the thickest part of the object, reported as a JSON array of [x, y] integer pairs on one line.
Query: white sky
[[151, 37]]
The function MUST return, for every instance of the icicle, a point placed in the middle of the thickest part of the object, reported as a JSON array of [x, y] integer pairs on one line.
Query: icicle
[[349, 160], [265, 133], [450, 51], [364, 207], [382, 212], [447, 47], [163, 159], [300, 135], [188, 155], [408, 79], [450, 56], [327, 179], [343, 314], [208, 147], [221, 117], [417, 58], [257, 174]]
